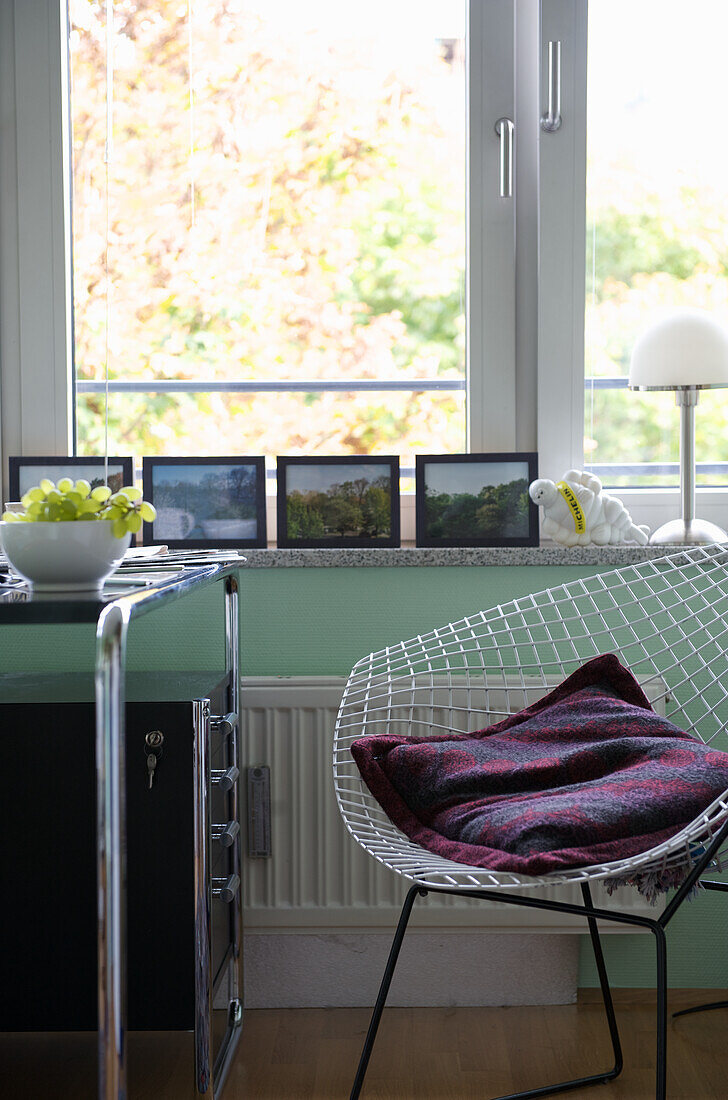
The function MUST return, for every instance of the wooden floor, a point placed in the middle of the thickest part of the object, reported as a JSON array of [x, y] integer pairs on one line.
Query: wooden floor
[[421, 1054]]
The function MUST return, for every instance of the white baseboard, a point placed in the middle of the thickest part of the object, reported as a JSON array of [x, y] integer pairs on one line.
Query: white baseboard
[[434, 969]]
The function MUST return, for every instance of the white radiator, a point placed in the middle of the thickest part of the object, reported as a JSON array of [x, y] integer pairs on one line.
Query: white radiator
[[317, 878]]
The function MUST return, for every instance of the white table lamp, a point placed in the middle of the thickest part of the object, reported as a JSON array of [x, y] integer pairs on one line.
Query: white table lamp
[[687, 352]]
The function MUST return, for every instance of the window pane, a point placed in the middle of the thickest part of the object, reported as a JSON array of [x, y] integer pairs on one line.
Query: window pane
[[327, 423], [657, 217], [286, 200]]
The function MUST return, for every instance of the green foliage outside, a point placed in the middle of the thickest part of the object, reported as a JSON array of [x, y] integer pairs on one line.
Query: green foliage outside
[[300, 216], [354, 509], [497, 511], [664, 251]]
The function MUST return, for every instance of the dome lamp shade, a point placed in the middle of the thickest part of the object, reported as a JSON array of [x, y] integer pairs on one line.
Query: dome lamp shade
[[688, 348]]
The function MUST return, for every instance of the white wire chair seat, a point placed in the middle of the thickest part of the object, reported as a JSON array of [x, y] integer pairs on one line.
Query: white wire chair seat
[[667, 622], [389, 846]]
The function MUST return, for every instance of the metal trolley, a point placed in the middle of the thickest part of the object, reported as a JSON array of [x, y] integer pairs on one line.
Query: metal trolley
[[138, 588]]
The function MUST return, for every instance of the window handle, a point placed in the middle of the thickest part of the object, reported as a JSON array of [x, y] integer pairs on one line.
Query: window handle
[[551, 121], [504, 130]]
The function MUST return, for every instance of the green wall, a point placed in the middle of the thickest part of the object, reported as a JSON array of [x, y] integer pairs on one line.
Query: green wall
[[308, 622], [320, 621]]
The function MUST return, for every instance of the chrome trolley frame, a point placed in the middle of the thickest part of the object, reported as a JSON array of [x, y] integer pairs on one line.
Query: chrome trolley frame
[[111, 636]]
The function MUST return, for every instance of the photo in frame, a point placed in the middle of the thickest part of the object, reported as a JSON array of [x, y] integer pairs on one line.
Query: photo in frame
[[338, 501], [476, 500], [27, 470], [206, 503]]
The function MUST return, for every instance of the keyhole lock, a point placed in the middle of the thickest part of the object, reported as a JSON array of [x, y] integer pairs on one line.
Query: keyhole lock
[[153, 748]]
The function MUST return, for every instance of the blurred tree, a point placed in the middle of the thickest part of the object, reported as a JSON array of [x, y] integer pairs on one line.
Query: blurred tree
[[304, 521], [275, 211], [656, 252], [377, 511]]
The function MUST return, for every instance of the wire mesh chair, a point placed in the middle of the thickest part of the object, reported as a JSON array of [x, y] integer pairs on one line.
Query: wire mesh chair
[[666, 620]]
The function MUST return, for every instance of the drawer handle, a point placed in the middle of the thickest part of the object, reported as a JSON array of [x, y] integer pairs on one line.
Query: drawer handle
[[224, 723], [225, 780], [226, 888], [226, 833]]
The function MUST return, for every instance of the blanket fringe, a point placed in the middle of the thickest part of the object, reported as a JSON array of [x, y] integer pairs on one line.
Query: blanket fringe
[[652, 884]]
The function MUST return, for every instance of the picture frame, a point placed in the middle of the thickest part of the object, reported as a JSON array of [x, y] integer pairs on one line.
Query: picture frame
[[27, 470], [214, 502], [493, 509], [312, 497]]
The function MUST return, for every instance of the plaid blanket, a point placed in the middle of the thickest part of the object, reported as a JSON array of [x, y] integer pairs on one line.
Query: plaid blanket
[[588, 774]]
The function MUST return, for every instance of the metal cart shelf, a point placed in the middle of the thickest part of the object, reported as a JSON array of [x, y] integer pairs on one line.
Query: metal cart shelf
[[139, 588]]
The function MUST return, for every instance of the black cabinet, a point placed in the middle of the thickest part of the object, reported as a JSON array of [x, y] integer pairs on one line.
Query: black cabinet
[[183, 854]]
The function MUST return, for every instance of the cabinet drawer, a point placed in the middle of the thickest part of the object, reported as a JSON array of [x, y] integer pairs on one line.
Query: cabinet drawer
[[49, 976]]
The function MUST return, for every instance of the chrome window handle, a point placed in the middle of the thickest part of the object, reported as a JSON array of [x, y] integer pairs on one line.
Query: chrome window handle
[[504, 129], [551, 121]]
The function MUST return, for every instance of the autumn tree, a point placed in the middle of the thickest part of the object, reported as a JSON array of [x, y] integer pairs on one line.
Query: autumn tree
[[276, 210]]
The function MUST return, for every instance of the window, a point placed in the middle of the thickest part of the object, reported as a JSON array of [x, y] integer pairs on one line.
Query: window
[[402, 297], [657, 224], [379, 296], [269, 227]]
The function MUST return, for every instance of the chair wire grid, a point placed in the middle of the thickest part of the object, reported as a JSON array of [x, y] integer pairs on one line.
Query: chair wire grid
[[665, 619]]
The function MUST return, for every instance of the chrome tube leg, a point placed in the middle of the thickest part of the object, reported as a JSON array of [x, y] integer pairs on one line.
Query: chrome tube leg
[[687, 398], [111, 850], [203, 926], [604, 983], [661, 1066], [235, 1004], [232, 651], [384, 988]]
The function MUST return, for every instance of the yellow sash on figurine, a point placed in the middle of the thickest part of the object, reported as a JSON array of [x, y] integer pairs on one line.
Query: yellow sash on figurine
[[574, 506]]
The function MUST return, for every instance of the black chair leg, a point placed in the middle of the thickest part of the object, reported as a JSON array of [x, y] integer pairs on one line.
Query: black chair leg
[[709, 1007], [661, 1067], [563, 1086], [606, 991], [384, 988], [708, 884]]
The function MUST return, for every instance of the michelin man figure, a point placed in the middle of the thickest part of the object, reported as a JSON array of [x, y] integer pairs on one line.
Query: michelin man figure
[[578, 513]]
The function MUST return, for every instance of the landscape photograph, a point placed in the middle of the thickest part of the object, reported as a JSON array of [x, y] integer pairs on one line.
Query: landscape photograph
[[475, 502], [214, 503], [28, 471], [338, 502]]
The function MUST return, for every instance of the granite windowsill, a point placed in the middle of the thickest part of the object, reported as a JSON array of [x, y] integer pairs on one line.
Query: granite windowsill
[[547, 555]]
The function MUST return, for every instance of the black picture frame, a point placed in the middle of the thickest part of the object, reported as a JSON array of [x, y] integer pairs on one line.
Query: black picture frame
[[222, 529], [291, 476], [442, 470], [35, 467]]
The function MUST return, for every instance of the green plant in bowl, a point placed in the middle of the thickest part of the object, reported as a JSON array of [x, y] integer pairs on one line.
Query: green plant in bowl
[[69, 536], [77, 501]]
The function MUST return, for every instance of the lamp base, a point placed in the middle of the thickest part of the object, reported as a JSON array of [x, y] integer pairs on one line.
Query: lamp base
[[678, 532]]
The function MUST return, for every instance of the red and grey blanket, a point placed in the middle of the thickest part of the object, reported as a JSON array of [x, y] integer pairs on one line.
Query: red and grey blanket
[[588, 774]]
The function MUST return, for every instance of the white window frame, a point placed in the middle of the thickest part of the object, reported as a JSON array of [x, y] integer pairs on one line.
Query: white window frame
[[562, 252], [36, 352], [35, 231], [526, 255], [561, 244]]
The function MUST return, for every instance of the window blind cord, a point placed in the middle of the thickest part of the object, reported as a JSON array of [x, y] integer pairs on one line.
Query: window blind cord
[[594, 302], [192, 115], [108, 152]]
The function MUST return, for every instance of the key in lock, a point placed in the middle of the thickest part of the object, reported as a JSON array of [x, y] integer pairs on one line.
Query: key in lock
[[153, 748]]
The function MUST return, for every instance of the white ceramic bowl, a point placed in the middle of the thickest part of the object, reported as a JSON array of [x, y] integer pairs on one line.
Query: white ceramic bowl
[[57, 557]]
